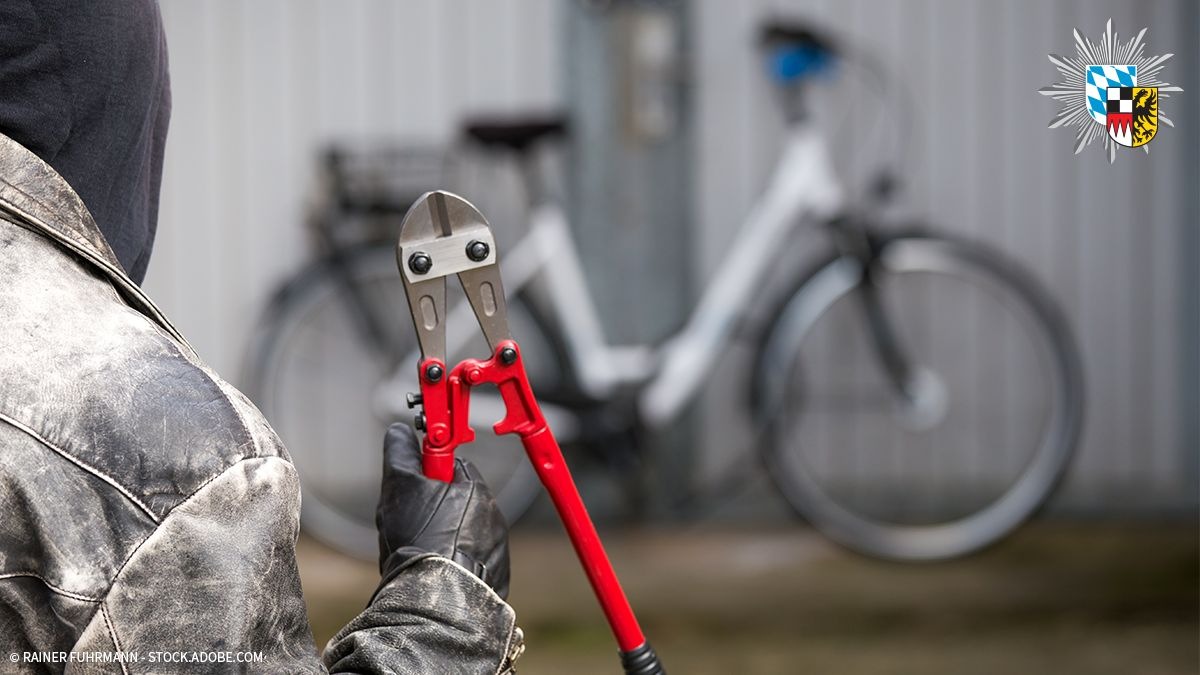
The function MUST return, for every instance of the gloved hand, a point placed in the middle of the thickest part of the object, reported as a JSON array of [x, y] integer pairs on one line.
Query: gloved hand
[[419, 515]]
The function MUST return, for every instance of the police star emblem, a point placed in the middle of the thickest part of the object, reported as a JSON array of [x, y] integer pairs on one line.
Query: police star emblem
[[1111, 92]]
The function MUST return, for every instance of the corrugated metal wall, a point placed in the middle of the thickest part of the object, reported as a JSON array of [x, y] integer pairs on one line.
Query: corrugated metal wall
[[258, 86], [1105, 239]]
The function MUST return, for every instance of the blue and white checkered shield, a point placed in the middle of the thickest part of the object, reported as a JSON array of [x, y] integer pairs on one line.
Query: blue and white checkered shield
[[1097, 82]]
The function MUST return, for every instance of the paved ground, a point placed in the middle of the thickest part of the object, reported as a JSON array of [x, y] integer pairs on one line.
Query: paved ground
[[1059, 599]]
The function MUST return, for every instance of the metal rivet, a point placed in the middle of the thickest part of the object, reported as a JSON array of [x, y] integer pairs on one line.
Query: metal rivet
[[433, 372], [478, 250], [508, 355], [420, 262]]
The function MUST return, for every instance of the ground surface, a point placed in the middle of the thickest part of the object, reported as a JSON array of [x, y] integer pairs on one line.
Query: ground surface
[[1093, 599]]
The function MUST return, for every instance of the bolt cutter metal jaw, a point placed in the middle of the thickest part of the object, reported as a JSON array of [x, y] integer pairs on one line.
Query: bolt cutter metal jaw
[[442, 235]]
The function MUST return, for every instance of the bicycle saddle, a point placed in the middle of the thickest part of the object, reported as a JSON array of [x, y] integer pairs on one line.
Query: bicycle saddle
[[796, 34], [515, 133]]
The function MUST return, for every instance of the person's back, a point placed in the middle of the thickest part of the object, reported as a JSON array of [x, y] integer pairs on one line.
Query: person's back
[[145, 505], [125, 466]]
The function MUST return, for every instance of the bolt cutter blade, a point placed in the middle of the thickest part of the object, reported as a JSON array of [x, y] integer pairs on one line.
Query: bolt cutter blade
[[444, 234]]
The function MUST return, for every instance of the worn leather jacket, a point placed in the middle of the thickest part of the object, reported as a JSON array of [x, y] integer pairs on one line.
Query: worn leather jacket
[[146, 507]]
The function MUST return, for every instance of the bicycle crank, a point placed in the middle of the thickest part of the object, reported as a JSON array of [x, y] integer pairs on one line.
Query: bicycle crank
[[445, 235]]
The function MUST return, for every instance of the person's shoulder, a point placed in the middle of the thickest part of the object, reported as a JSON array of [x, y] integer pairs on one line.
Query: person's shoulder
[[105, 386]]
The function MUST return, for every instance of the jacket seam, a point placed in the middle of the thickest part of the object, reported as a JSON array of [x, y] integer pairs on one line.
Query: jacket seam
[[133, 554], [84, 249], [53, 588], [100, 255], [112, 633], [506, 660], [235, 406], [88, 468], [185, 500]]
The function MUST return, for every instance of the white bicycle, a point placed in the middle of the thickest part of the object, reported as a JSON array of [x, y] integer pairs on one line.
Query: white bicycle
[[867, 379]]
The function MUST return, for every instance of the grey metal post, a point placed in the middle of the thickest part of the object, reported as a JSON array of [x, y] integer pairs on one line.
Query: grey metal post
[[628, 185]]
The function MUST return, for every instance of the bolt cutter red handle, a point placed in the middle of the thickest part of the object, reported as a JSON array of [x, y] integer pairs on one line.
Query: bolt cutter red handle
[[447, 427], [443, 234]]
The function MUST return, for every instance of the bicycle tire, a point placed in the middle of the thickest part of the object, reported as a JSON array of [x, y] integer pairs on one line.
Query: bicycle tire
[[315, 291], [833, 279]]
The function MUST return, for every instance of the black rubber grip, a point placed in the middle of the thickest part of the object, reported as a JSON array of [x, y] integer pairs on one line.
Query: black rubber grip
[[642, 661]]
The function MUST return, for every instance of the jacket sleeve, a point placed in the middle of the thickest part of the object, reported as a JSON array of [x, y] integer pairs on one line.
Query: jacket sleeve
[[431, 616], [217, 580]]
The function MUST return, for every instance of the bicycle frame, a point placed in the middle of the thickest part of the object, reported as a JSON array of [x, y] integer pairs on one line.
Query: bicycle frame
[[803, 189]]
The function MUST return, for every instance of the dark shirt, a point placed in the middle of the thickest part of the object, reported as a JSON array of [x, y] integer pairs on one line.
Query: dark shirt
[[83, 84]]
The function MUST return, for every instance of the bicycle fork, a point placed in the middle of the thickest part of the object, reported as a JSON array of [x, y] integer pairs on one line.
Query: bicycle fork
[[444, 235], [919, 390]]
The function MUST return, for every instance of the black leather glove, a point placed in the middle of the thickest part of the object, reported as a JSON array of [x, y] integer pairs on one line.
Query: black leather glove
[[419, 515]]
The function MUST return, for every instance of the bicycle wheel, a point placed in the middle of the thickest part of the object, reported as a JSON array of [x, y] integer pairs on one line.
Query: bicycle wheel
[[968, 448], [330, 393]]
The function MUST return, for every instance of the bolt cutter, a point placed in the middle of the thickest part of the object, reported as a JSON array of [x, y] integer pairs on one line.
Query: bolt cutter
[[443, 235]]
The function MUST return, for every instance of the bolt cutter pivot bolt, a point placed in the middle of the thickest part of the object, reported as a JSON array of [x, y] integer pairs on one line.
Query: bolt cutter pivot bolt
[[420, 262], [433, 372], [478, 250], [413, 400], [508, 356], [419, 422]]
